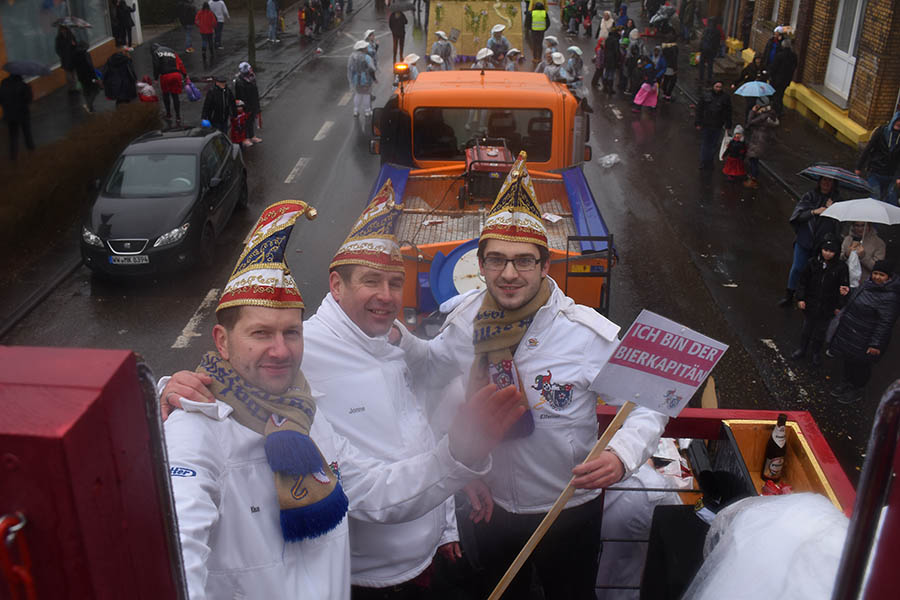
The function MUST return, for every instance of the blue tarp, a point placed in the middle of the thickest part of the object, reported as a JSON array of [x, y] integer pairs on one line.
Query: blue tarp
[[587, 217]]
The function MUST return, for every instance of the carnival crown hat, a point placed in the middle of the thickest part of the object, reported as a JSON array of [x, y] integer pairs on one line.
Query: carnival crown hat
[[371, 242], [515, 217], [261, 276]]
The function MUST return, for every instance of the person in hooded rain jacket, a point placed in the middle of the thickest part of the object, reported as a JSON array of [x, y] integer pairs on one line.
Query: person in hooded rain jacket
[[810, 228], [864, 330], [119, 79], [821, 291], [881, 160], [622, 19], [361, 76], [761, 125]]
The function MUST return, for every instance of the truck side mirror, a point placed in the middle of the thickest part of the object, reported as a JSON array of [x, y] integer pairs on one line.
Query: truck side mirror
[[588, 153], [375, 146]]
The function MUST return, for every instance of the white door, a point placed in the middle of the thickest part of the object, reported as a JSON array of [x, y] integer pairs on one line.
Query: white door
[[842, 59]]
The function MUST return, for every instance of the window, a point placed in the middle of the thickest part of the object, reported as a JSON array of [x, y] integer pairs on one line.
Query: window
[[28, 30], [149, 175], [209, 161], [442, 133]]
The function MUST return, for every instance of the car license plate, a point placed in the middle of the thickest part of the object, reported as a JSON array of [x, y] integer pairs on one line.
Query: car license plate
[[137, 259]]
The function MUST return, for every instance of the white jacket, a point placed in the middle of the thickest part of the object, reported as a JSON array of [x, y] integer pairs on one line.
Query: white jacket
[[558, 360], [228, 514], [367, 398], [220, 10]]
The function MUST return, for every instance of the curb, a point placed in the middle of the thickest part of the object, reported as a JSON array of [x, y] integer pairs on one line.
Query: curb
[[765, 167]]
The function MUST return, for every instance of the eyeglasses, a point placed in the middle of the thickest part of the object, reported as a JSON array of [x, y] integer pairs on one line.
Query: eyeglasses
[[521, 263]]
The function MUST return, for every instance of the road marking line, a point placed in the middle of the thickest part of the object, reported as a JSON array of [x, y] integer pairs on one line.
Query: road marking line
[[350, 35], [190, 330], [326, 126], [298, 168], [345, 99], [617, 112], [790, 372]]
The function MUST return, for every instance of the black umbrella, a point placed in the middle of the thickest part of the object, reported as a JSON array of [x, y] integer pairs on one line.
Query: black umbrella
[[26, 68], [846, 178]]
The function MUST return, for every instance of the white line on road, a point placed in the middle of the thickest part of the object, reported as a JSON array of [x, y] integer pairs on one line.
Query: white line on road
[[617, 112], [790, 372], [298, 168], [326, 126], [190, 330], [350, 35], [345, 99]]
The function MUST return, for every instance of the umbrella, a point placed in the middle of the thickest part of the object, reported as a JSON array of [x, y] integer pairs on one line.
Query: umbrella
[[71, 22], [26, 68], [663, 14], [868, 210], [846, 178], [755, 89]]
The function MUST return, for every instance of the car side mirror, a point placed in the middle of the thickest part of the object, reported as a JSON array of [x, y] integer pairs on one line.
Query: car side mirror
[[214, 182], [374, 146]]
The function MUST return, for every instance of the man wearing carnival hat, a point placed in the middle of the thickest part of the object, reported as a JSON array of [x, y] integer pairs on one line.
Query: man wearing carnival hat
[[261, 481], [527, 333]]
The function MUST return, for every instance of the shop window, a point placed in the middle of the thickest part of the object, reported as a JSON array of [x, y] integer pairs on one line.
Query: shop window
[[29, 33]]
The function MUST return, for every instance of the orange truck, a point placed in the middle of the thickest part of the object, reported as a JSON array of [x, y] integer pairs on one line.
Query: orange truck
[[447, 141]]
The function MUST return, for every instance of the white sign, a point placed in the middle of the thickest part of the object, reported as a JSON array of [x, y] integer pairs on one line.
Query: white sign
[[659, 364]]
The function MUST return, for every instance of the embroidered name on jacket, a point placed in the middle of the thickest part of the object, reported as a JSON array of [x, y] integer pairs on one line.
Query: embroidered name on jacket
[[557, 395]]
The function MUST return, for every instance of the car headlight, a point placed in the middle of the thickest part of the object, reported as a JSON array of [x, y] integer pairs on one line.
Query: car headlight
[[90, 238], [171, 237]]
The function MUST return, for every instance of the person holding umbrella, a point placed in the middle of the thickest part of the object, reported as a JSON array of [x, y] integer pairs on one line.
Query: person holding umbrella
[[863, 330], [881, 160], [15, 96], [65, 49], [810, 228]]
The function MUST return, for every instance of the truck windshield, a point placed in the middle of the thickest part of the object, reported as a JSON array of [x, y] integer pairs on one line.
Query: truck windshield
[[442, 133]]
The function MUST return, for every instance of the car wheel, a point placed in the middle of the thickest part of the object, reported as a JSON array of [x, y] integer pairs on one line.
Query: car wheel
[[208, 246], [244, 195]]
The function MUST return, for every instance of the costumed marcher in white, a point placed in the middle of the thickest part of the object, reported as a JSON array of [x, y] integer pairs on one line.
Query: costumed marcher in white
[[372, 49], [499, 45], [259, 478], [435, 63], [575, 67], [556, 72], [528, 333], [411, 59], [546, 62], [443, 48], [369, 400], [551, 42], [361, 75], [512, 59], [483, 59]]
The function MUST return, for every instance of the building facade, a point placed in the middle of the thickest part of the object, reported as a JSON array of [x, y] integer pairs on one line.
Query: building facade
[[849, 58]]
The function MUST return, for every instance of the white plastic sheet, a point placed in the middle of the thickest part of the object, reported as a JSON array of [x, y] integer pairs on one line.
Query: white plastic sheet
[[772, 547]]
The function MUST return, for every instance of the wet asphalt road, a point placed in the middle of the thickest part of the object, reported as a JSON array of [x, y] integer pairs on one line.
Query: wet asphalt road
[[693, 247]]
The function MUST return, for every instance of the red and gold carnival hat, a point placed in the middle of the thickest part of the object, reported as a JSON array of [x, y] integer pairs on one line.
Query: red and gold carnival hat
[[261, 276], [371, 242], [515, 217]]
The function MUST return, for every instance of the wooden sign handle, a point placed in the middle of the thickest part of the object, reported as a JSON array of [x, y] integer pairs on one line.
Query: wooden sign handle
[[560, 503]]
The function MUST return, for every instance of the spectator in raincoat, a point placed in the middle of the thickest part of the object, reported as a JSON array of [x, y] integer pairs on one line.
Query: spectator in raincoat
[[670, 75], [512, 59], [810, 228], [611, 59], [499, 45], [881, 160], [821, 292], [65, 49], [272, 18], [713, 113], [221, 11], [772, 46], [246, 90], [372, 50], [864, 330], [119, 79], [606, 24], [435, 63], [443, 48], [361, 76], [622, 19], [781, 72], [206, 26], [219, 105], [761, 125], [869, 248], [599, 61], [87, 76], [710, 43], [124, 23]]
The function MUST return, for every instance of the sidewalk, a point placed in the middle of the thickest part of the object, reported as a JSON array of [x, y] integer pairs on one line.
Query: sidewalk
[[54, 115]]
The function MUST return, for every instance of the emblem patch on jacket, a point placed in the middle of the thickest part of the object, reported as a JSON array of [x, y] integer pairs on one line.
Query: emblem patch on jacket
[[502, 373], [557, 395]]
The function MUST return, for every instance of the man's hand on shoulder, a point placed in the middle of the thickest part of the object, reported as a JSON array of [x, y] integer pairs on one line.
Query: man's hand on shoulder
[[189, 385], [603, 471]]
